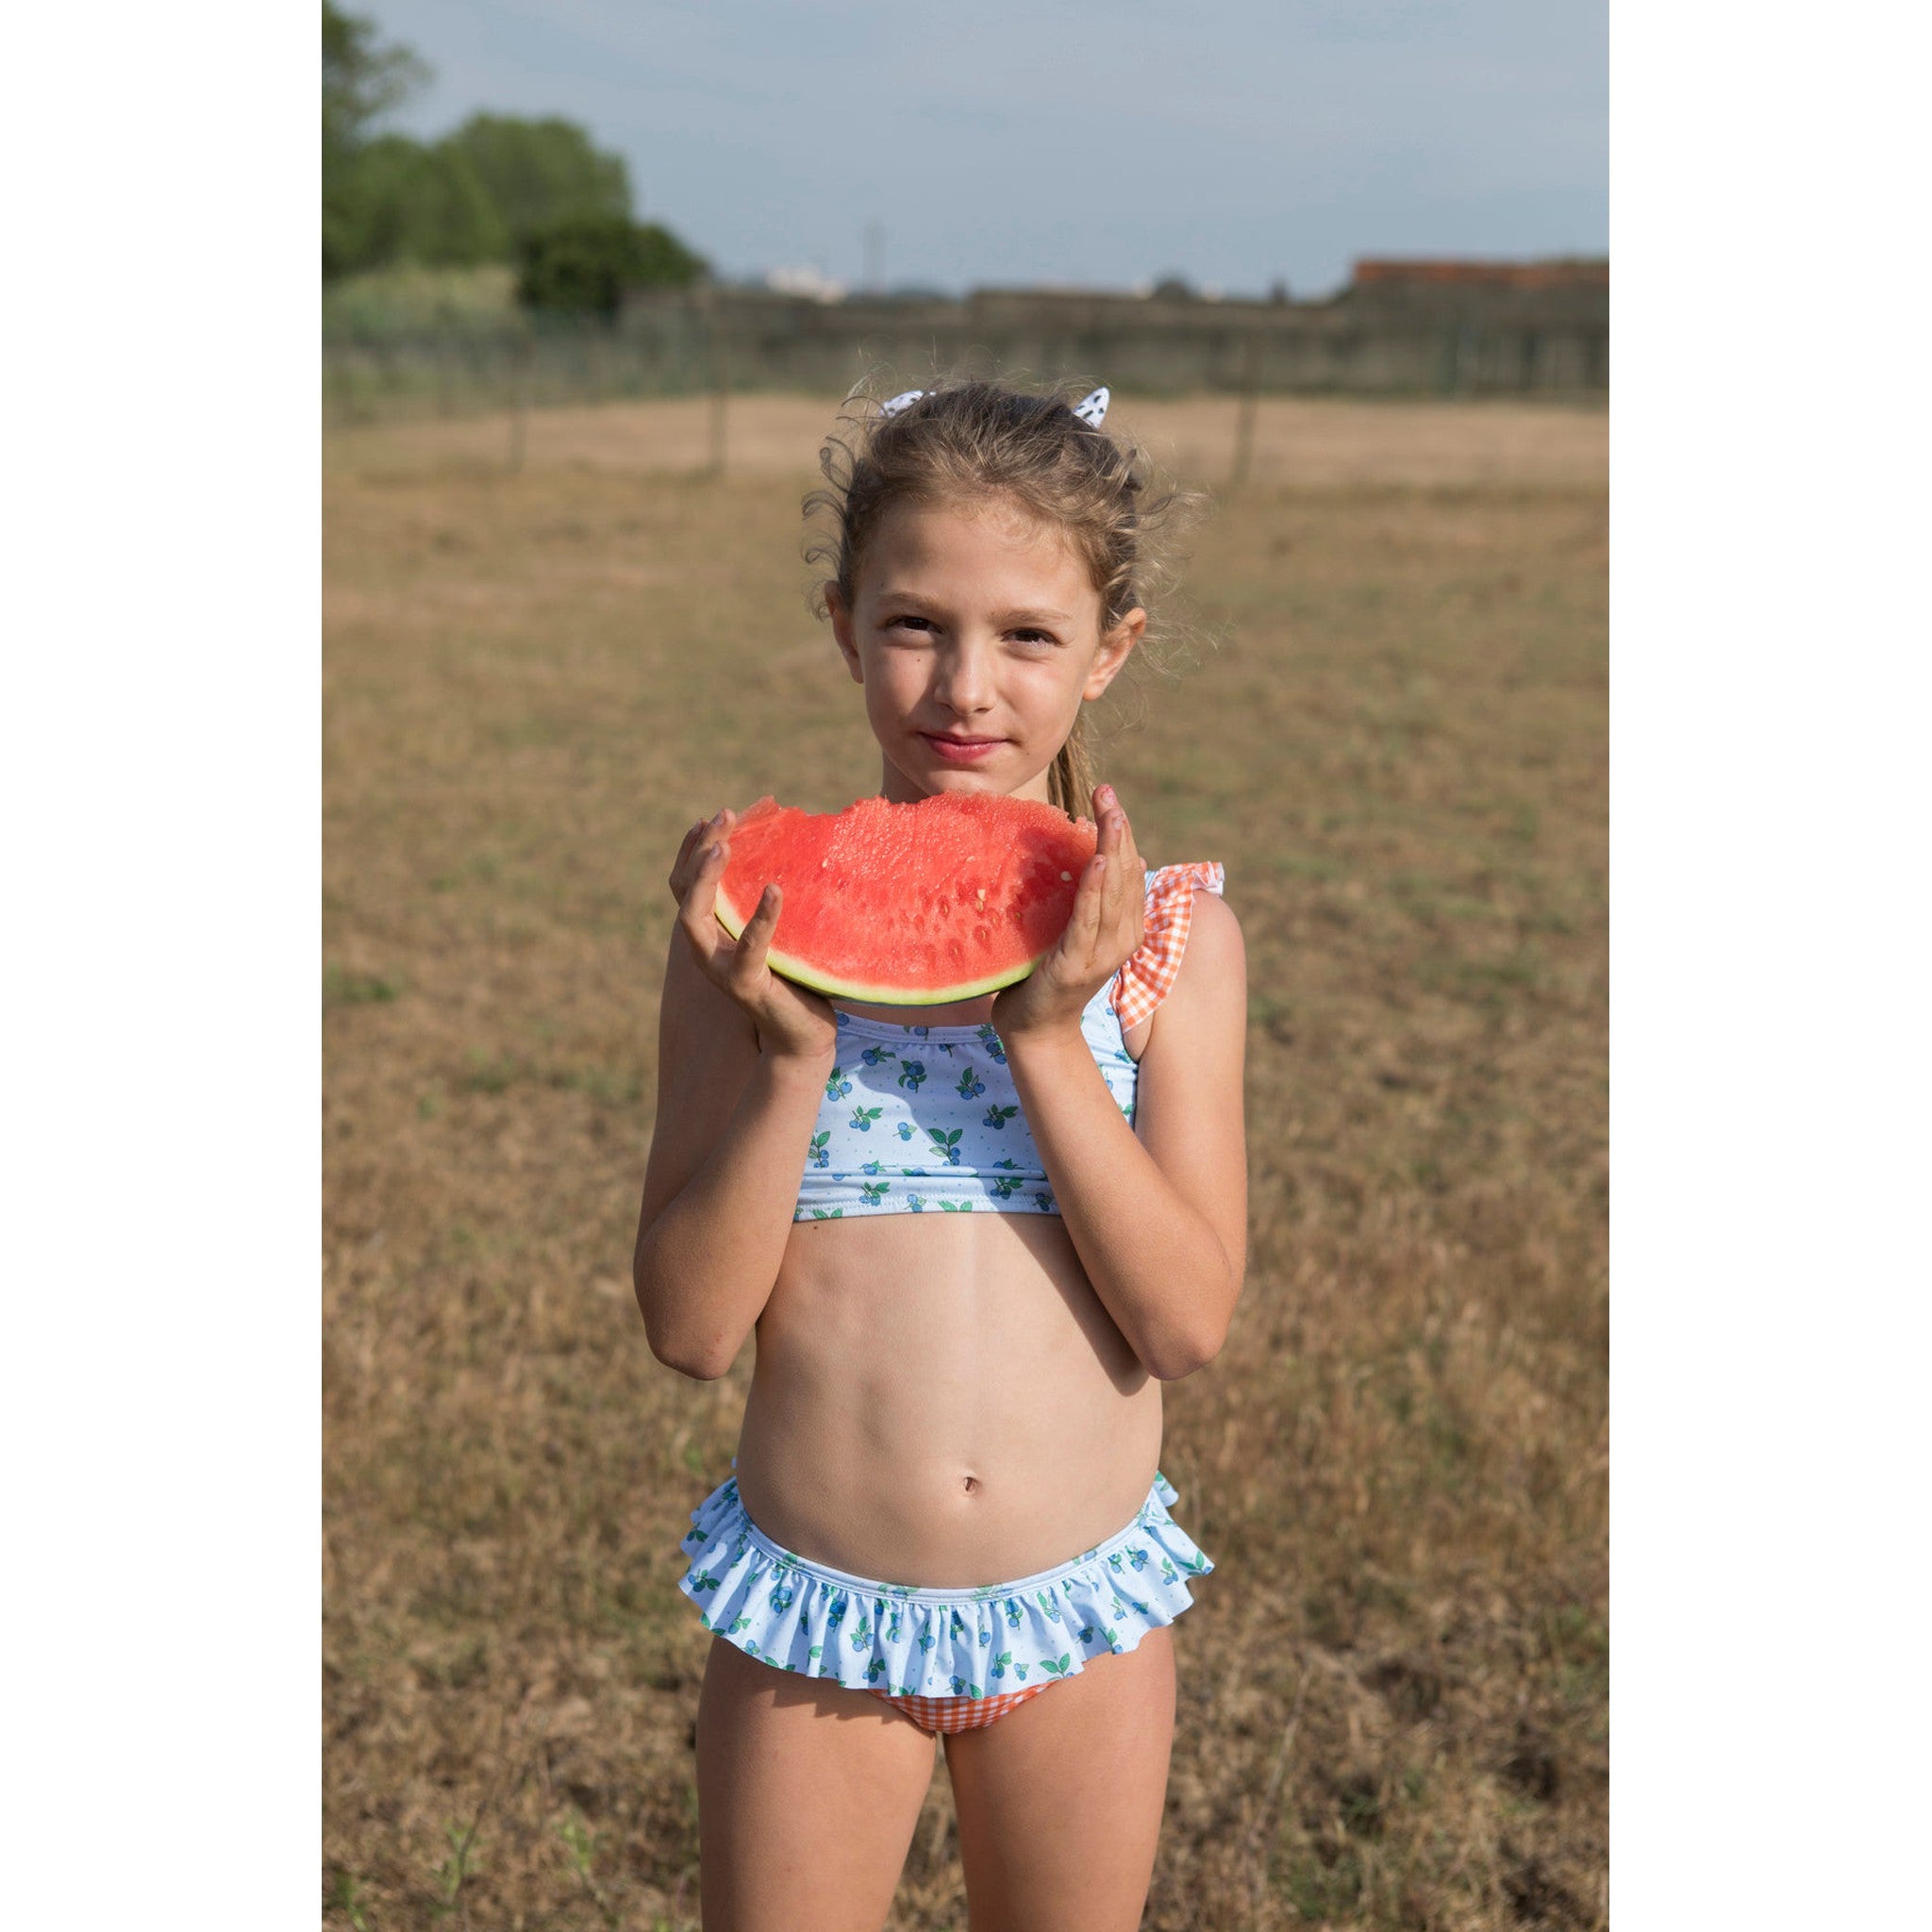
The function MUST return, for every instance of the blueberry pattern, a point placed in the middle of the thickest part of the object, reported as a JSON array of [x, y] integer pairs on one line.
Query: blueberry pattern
[[959, 1141]]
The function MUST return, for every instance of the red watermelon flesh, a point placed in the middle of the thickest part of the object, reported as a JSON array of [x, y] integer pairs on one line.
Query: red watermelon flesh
[[908, 905]]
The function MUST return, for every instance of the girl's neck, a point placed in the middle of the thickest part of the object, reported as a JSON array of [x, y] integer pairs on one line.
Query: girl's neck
[[960, 1013]]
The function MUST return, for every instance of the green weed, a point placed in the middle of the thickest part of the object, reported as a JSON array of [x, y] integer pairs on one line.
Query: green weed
[[580, 1844], [346, 1896], [456, 1868], [485, 868], [488, 1073], [1321, 1888], [343, 988], [607, 1086], [1306, 865]]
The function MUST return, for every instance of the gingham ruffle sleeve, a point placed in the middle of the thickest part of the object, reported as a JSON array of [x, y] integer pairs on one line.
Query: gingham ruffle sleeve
[[1148, 976]]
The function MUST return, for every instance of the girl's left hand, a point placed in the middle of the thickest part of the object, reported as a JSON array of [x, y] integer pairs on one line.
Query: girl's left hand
[[1104, 932]]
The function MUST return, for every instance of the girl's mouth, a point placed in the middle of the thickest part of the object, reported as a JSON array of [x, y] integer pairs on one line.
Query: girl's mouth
[[962, 751]]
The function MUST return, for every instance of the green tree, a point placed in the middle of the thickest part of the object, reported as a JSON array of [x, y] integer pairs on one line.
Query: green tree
[[540, 172], [583, 265], [424, 204], [362, 81], [498, 188]]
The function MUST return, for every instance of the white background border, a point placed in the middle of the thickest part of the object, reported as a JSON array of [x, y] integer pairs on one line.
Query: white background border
[[159, 1385], [1769, 721], [158, 1377]]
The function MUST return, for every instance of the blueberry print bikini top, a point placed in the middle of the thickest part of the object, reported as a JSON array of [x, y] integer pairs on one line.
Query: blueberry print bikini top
[[928, 1118]]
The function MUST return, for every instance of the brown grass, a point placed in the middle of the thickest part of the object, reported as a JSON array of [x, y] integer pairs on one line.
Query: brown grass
[[1309, 441], [1393, 1692]]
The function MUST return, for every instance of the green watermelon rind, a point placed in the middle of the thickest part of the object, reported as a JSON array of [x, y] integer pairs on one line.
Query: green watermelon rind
[[788, 967]]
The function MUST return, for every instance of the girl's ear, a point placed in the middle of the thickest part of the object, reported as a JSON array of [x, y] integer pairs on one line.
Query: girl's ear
[[1116, 646], [840, 613]]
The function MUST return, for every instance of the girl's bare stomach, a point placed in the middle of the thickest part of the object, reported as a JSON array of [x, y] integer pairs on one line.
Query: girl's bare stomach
[[941, 1400]]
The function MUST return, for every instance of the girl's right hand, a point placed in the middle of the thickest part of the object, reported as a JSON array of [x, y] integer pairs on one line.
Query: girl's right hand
[[791, 1019]]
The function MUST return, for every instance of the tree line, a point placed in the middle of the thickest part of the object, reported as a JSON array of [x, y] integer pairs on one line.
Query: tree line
[[538, 193]]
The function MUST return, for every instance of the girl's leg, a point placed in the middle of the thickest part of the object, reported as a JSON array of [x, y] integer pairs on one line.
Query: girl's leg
[[807, 1796], [1059, 1802]]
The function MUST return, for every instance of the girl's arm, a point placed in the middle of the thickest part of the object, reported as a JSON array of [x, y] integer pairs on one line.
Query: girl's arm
[[743, 1060], [733, 1125], [1157, 1211]]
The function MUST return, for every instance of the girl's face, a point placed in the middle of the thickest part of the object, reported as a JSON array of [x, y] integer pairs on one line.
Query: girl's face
[[976, 632]]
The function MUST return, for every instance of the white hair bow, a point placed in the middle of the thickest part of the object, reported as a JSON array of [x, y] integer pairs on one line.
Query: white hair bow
[[1091, 410]]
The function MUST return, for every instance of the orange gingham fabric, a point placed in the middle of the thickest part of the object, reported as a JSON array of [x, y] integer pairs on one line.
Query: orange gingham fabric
[[948, 1714], [1148, 976]]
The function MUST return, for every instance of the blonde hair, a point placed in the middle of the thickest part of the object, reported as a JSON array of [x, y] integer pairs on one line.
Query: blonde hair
[[973, 438]]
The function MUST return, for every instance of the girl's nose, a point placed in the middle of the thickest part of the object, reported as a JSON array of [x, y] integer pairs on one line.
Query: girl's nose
[[964, 682]]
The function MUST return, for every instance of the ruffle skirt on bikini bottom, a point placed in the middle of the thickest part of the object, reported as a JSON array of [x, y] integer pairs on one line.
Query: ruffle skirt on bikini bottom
[[871, 1635]]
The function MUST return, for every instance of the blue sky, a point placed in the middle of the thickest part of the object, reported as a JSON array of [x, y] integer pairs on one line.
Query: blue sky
[[1067, 141]]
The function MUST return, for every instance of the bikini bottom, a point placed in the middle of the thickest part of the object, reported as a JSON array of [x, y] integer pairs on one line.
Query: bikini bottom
[[942, 1717], [997, 1643]]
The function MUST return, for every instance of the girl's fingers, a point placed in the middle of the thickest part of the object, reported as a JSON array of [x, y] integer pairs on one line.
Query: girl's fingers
[[1126, 899], [704, 936], [748, 956], [1083, 924], [698, 912], [1117, 837], [680, 866], [1113, 830], [689, 851], [1106, 817], [764, 918], [1133, 873]]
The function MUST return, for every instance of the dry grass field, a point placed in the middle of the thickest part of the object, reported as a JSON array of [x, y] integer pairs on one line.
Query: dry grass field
[[1393, 1691]]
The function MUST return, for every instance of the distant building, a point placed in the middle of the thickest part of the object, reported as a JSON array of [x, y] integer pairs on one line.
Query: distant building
[[807, 279], [1562, 272], [1499, 325]]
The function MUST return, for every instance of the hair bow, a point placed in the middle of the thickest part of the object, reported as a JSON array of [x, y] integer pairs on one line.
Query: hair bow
[[1091, 409]]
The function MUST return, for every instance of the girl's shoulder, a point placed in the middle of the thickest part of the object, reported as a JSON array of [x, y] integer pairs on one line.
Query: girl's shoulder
[[1187, 935]]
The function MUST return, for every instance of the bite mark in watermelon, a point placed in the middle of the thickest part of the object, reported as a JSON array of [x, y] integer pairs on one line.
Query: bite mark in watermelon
[[908, 905]]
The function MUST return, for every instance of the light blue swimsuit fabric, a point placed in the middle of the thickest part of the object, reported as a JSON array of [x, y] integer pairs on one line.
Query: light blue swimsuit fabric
[[871, 1635], [927, 1117]]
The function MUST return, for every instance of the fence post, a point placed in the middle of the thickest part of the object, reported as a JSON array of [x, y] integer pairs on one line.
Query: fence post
[[344, 384], [1468, 357], [719, 358], [442, 349], [1244, 419], [519, 402]]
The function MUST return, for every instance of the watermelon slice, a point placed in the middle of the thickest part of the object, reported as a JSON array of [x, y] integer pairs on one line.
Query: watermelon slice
[[908, 905]]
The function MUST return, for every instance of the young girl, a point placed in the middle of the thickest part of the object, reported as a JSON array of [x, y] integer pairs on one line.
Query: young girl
[[946, 1519]]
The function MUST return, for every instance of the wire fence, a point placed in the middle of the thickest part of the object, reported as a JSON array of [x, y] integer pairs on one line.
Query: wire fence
[[465, 371], [686, 349]]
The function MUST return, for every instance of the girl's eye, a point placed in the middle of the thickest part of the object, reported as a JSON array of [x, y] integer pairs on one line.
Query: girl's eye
[[1033, 637], [908, 621]]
